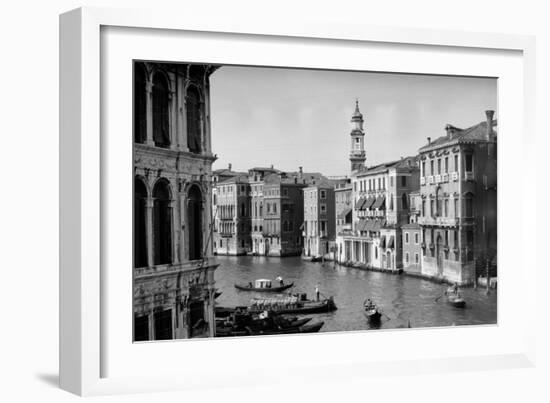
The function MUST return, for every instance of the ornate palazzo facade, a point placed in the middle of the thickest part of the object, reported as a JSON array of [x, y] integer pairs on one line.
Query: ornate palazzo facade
[[173, 271]]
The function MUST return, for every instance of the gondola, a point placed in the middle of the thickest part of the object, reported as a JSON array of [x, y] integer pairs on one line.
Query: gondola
[[456, 300], [248, 331], [296, 304], [373, 315], [263, 286]]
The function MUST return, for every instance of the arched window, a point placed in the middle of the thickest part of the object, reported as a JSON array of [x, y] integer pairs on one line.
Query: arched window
[[161, 132], [404, 201], [140, 112], [140, 228], [162, 224], [194, 131], [194, 222]]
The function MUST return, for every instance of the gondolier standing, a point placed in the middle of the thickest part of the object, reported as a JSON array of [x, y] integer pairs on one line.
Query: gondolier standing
[[317, 291]]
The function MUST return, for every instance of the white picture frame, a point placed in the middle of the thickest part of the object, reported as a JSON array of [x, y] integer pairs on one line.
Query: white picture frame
[[87, 344]]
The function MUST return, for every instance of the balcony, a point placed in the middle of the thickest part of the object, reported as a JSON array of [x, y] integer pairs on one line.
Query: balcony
[[445, 178], [430, 179], [440, 221], [454, 176], [469, 176], [438, 179], [422, 181]]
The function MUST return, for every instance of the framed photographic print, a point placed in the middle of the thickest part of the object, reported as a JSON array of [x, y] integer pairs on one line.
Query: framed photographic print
[[231, 194]]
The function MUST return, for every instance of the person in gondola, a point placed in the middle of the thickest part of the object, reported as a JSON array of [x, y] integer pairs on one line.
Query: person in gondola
[[250, 284], [368, 304], [455, 288], [317, 292]]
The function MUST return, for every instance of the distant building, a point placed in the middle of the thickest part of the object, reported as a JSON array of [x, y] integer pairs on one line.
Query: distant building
[[380, 206], [256, 181], [232, 216], [343, 204], [459, 201], [173, 287], [319, 228], [412, 250], [283, 215]]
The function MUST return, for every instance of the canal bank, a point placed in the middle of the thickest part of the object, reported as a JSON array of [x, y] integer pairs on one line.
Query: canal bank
[[403, 298]]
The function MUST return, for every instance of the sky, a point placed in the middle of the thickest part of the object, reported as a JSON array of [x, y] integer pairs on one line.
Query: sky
[[293, 117]]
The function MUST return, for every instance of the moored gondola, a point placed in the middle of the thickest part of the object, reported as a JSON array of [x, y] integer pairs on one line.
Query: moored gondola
[[293, 304]]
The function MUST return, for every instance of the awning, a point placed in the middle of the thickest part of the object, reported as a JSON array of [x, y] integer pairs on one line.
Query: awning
[[379, 203], [391, 243], [344, 213], [359, 203], [369, 203], [383, 241]]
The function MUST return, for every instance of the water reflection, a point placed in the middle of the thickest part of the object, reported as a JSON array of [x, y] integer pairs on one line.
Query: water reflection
[[402, 299]]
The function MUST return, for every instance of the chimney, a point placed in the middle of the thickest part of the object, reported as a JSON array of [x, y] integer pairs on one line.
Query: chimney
[[449, 130], [271, 166], [301, 171], [429, 140], [229, 166], [489, 115]]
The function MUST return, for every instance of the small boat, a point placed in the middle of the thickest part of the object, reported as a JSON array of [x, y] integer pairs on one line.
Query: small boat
[[263, 285], [456, 300], [371, 312]]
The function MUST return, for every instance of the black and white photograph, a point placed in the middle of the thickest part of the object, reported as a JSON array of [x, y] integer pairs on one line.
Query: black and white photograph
[[273, 200]]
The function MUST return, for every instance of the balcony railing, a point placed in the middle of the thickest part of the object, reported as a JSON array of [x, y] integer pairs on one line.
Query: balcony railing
[[469, 176], [454, 176], [423, 180]]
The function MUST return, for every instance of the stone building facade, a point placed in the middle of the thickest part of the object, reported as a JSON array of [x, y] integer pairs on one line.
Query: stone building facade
[[459, 201], [173, 286], [232, 216], [412, 250], [319, 227], [380, 206]]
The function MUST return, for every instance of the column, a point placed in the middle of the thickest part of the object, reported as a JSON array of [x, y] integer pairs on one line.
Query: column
[[172, 117], [149, 113], [149, 230], [151, 323], [175, 231]]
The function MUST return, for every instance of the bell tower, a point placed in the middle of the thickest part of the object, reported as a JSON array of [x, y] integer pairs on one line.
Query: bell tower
[[357, 154]]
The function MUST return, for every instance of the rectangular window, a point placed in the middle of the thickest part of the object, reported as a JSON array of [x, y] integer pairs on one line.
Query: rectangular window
[[391, 181], [456, 208], [456, 163], [439, 166], [407, 238], [416, 258], [469, 162], [423, 208], [432, 208], [403, 181], [423, 173], [446, 165], [323, 194], [407, 257], [323, 208], [446, 207], [431, 167], [416, 238]]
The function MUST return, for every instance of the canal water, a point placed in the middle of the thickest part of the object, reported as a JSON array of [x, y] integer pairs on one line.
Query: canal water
[[401, 298]]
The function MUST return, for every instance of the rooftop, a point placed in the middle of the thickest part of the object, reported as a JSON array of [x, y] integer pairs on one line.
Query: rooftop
[[455, 135]]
